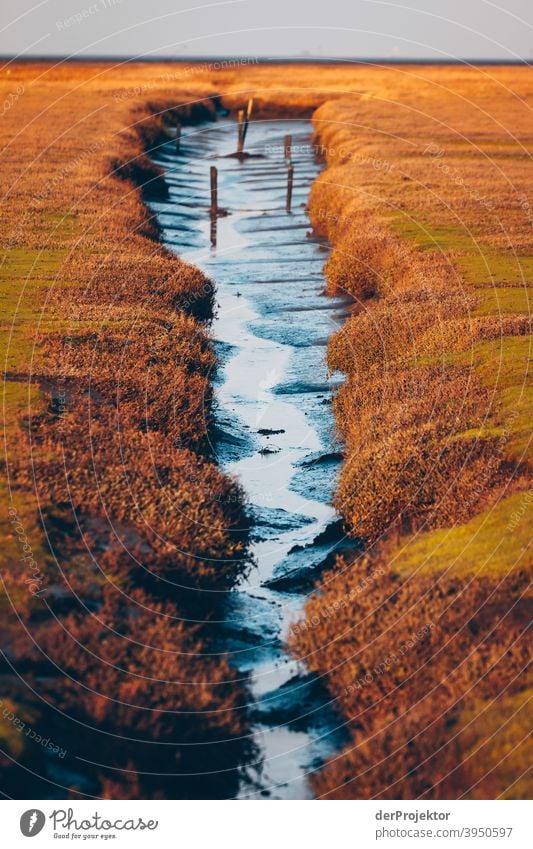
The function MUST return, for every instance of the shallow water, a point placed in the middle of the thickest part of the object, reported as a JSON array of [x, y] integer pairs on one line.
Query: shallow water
[[274, 422]]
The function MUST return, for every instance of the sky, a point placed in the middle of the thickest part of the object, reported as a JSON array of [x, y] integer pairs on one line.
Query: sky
[[386, 29]]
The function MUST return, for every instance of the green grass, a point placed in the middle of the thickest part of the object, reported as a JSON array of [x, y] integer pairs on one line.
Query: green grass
[[12, 552], [496, 540], [503, 364], [478, 265], [508, 300], [22, 263], [25, 276], [492, 543], [429, 237], [481, 269]]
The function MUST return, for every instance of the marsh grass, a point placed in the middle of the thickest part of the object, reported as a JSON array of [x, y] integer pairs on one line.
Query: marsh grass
[[432, 239], [107, 408]]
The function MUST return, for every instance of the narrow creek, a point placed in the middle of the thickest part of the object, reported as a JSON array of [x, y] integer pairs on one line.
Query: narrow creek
[[274, 424]]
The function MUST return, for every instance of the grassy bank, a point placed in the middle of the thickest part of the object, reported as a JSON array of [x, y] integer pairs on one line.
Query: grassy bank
[[121, 532], [425, 202]]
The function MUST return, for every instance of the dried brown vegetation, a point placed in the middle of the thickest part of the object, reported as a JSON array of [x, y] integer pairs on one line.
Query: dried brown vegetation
[[406, 660], [423, 200], [134, 534], [109, 475]]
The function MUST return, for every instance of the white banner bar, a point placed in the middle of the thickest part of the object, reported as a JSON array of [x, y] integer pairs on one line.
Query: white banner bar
[[268, 824]]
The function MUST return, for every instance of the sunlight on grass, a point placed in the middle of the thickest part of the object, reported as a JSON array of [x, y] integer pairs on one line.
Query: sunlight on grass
[[499, 736], [492, 543]]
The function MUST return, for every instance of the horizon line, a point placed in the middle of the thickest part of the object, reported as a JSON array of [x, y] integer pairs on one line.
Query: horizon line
[[266, 60]]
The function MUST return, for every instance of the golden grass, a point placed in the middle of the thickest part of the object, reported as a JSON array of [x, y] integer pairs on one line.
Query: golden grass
[[410, 657], [114, 501], [424, 199]]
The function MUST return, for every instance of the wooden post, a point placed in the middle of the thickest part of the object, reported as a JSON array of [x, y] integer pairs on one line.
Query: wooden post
[[214, 190], [178, 137], [288, 145], [247, 120], [290, 173], [240, 144]]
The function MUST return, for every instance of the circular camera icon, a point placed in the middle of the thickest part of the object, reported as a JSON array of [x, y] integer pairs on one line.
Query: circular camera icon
[[32, 822]]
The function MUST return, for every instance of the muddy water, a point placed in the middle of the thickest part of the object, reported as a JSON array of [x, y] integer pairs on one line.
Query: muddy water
[[274, 426]]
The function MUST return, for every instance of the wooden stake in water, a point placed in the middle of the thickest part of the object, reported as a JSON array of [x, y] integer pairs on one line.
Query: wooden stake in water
[[240, 143], [214, 190], [247, 120], [290, 173], [287, 147], [178, 137]]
